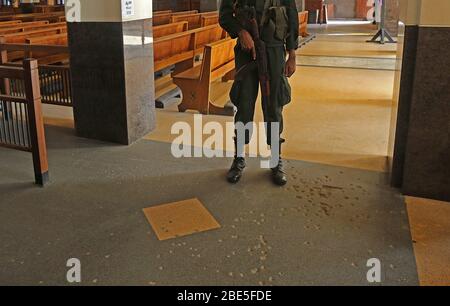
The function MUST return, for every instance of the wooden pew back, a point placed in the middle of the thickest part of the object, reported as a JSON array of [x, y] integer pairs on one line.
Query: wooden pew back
[[175, 48], [169, 29], [161, 19], [12, 22], [58, 39], [17, 38], [51, 40], [31, 26], [207, 35], [194, 20], [218, 58], [166, 18], [162, 12], [208, 20], [18, 23], [185, 12], [212, 13], [172, 49]]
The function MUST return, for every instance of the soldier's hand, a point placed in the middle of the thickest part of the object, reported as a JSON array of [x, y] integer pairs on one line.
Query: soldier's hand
[[247, 43], [291, 65]]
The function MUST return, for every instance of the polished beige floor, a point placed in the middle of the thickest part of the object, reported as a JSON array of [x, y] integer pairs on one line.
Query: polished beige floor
[[338, 116], [348, 46], [321, 121], [430, 229]]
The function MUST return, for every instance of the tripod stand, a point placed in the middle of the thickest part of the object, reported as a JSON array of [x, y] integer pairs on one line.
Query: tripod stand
[[382, 33]]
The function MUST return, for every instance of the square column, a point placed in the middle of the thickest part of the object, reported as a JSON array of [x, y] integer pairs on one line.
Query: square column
[[420, 151], [111, 47]]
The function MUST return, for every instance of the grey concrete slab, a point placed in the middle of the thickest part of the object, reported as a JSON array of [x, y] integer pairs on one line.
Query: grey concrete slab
[[320, 230]]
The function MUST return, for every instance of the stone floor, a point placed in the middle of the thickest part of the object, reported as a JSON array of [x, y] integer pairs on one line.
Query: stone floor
[[333, 127], [320, 230]]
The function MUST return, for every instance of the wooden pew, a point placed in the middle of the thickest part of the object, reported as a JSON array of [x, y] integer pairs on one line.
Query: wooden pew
[[194, 20], [54, 79], [208, 20], [169, 29], [51, 17], [207, 35], [173, 49], [215, 13], [181, 49], [195, 83], [303, 23], [12, 22], [162, 19], [19, 23], [185, 13], [31, 26], [22, 36], [43, 57], [162, 12], [58, 39], [165, 18]]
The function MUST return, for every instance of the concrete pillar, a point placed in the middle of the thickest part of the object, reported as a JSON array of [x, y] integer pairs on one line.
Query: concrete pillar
[[420, 151], [111, 48]]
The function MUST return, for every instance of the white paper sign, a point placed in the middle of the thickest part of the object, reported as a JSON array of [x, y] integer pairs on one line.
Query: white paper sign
[[127, 8]]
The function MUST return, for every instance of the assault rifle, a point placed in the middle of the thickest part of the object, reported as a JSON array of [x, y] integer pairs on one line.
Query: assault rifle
[[246, 15]]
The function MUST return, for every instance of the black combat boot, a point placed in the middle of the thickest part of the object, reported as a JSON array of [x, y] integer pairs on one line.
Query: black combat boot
[[237, 168], [279, 176], [236, 171]]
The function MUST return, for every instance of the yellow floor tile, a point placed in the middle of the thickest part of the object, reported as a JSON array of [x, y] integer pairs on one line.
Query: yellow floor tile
[[430, 229], [180, 219]]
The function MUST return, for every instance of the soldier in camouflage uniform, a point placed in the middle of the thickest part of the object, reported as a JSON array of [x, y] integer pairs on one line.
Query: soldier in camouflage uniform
[[279, 29]]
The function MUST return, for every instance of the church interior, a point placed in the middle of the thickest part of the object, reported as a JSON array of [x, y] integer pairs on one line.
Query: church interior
[[95, 90]]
